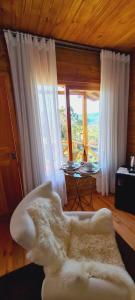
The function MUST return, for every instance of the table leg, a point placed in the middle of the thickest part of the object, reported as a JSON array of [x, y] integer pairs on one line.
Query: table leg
[[90, 202], [78, 195]]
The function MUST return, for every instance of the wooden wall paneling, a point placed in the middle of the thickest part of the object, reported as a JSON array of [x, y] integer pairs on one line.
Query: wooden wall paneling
[[131, 110], [78, 66], [4, 62], [13, 118], [3, 203]]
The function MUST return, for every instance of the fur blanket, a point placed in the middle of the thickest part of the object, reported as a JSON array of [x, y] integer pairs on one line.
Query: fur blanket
[[74, 249]]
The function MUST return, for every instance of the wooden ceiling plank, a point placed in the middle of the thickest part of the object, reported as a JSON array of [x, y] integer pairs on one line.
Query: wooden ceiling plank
[[36, 15], [26, 14], [43, 23], [73, 9], [102, 23], [5, 14], [72, 27], [62, 18], [103, 32]]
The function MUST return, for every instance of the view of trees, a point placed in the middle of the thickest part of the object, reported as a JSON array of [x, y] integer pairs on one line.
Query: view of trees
[[63, 121], [77, 133]]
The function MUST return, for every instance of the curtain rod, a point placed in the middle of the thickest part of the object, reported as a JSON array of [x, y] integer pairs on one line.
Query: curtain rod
[[60, 43], [66, 44]]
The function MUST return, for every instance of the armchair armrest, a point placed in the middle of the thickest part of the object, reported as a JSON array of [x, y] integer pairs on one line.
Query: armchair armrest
[[82, 215], [22, 229]]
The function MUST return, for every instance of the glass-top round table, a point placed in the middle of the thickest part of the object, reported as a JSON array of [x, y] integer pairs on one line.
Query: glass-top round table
[[78, 175]]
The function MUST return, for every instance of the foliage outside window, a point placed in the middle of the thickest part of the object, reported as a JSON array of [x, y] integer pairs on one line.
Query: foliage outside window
[[83, 119]]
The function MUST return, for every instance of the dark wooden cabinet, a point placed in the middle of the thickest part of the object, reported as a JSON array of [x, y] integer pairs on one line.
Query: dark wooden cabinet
[[125, 192]]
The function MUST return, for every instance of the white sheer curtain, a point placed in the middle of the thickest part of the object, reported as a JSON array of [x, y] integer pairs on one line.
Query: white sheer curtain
[[113, 117], [33, 67]]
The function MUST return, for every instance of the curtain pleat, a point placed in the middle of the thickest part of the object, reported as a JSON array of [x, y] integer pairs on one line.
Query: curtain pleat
[[34, 75], [114, 92]]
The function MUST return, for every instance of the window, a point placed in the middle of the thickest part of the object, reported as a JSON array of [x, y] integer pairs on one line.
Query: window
[[79, 117]]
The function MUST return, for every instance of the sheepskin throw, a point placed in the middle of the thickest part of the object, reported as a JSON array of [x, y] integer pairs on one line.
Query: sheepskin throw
[[74, 249]]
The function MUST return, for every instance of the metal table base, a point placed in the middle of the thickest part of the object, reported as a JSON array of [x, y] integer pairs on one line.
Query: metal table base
[[78, 198]]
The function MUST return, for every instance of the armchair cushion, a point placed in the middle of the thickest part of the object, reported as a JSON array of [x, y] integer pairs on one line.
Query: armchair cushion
[[75, 250]]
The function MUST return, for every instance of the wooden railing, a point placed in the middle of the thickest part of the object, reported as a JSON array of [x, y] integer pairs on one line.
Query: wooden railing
[[79, 154]]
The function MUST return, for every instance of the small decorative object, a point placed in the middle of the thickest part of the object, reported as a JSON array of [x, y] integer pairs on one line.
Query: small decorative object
[[88, 168], [71, 166], [132, 164], [84, 155]]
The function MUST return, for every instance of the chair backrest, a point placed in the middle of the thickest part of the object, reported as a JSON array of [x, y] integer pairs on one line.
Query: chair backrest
[[22, 228]]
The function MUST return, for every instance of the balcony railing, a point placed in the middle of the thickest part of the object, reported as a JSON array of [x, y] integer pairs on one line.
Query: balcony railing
[[78, 150]]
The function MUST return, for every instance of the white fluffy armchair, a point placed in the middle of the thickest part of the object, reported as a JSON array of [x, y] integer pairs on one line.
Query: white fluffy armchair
[[77, 249]]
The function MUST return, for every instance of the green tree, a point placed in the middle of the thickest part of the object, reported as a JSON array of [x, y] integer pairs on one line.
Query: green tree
[[63, 119]]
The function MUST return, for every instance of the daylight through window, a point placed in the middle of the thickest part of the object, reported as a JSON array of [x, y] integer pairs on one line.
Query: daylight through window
[[79, 117]]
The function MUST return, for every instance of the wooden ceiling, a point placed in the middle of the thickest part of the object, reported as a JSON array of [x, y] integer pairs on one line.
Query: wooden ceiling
[[102, 23]]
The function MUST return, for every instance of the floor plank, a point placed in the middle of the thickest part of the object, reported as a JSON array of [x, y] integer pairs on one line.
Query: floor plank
[[12, 256]]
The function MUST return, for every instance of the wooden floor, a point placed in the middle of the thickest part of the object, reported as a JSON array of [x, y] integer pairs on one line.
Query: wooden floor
[[12, 256]]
